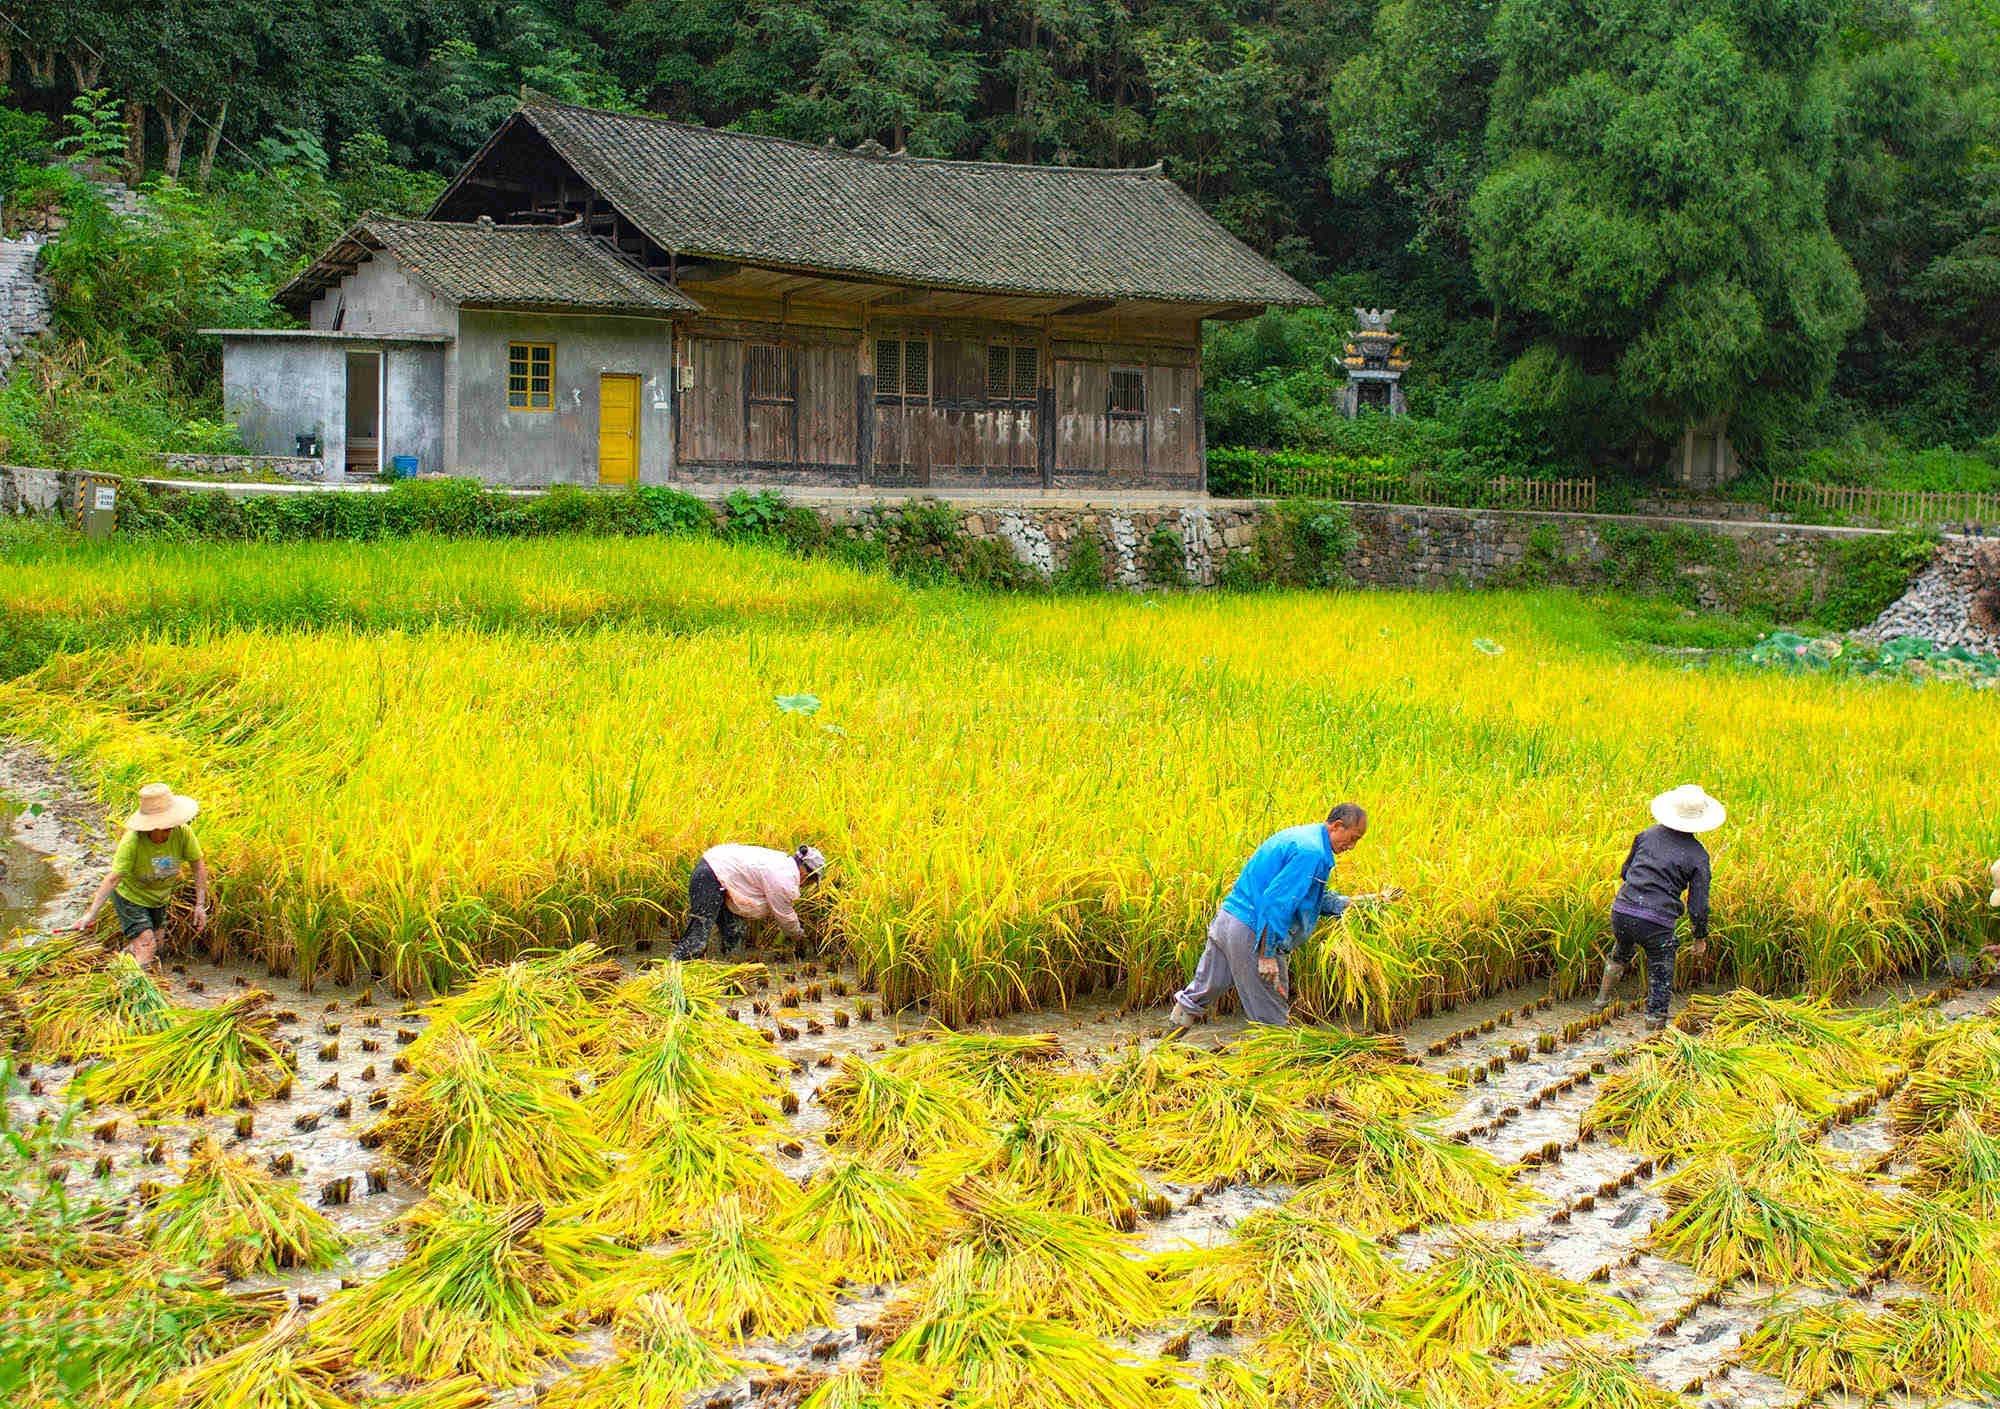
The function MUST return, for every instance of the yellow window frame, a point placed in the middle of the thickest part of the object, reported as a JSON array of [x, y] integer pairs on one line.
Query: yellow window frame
[[531, 376]]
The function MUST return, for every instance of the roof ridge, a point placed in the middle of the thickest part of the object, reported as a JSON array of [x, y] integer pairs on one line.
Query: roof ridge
[[370, 217], [1156, 170]]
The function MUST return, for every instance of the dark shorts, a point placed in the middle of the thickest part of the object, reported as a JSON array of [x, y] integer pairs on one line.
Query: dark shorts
[[135, 920]]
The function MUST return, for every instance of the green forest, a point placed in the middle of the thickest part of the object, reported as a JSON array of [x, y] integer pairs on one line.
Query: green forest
[[1600, 224]]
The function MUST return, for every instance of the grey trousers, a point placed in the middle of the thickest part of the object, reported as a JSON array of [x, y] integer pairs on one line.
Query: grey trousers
[[1230, 961]]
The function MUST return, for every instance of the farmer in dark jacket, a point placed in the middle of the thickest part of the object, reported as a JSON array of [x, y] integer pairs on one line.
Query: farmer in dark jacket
[[1665, 863]]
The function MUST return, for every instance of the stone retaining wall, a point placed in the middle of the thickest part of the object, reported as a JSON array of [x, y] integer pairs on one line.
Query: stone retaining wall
[[291, 468]]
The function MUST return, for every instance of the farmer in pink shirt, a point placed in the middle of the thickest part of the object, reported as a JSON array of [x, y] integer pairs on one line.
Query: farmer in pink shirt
[[734, 883]]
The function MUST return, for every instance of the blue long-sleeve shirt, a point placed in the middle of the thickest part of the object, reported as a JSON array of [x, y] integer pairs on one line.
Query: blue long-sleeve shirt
[[1282, 892]]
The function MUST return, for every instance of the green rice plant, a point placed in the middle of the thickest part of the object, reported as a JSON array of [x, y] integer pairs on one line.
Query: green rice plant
[[868, 1224], [490, 1124], [900, 1119], [1002, 1067], [1921, 1348], [1044, 1262], [83, 1011], [1484, 1295], [475, 1294], [1960, 1073], [1960, 1161], [230, 1216], [690, 1064], [202, 1059], [1946, 1250], [1337, 1351], [1734, 1219], [658, 1360], [1681, 1086], [276, 1370], [1276, 1258], [1843, 1046], [1591, 1377], [1382, 1173], [735, 1281], [1232, 1129], [1054, 1146], [686, 1167], [991, 1354], [543, 1007], [1367, 1071]]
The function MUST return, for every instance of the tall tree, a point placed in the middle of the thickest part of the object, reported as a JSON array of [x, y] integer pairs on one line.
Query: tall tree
[[1657, 205]]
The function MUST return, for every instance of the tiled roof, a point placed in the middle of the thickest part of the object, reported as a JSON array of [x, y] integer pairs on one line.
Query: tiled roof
[[987, 226], [505, 266]]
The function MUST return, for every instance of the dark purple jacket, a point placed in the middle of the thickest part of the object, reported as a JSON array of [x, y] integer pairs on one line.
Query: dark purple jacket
[[1662, 864]]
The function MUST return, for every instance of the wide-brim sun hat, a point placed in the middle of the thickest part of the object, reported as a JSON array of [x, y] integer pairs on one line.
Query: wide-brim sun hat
[[1688, 808], [161, 809]]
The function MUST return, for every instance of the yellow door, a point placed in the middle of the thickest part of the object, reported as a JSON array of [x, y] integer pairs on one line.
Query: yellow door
[[617, 429]]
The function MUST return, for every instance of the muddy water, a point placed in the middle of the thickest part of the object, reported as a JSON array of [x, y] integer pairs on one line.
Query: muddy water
[[1596, 1204], [27, 880]]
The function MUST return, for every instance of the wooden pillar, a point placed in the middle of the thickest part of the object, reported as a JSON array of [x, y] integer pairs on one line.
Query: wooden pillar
[[1045, 408], [864, 397]]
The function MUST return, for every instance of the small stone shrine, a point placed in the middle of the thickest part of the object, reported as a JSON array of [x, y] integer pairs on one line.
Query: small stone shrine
[[1375, 363]]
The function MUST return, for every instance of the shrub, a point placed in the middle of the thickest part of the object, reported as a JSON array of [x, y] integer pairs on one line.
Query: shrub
[[1870, 573], [1305, 543], [1164, 557], [1084, 570]]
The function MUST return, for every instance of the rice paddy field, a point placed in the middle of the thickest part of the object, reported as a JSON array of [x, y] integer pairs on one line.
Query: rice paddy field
[[427, 1120]]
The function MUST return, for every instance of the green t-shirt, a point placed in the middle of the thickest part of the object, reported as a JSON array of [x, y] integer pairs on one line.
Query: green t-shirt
[[148, 871]]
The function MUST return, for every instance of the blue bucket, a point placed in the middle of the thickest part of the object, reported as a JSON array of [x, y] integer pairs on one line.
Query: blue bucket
[[402, 466]]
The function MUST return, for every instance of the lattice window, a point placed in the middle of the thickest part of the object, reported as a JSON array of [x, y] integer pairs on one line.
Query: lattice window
[[1010, 372], [769, 370], [1128, 391], [903, 369], [531, 376]]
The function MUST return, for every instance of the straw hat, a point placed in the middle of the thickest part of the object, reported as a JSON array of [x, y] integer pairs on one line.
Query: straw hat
[[1688, 809], [160, 809]]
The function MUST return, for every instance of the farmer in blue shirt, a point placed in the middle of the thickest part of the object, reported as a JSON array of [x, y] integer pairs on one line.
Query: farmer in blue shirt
[[1271, 910]]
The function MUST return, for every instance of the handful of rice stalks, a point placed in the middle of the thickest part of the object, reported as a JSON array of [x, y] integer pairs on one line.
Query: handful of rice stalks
[[879, 1386], [201, 1059], [1948, 1251], [474, 1295], [1593, 1378], [899, 1119], [1960, 1074], [491, 1125], [1919, 1348], [230, 1216], [1043, 1262], [737, 1282], [1960, 1161], [1486, 1296], [1002, 1068], [1142, 1083], [1232, 1129], [1366, 1071], [870, 1225], [1681, 1086], [546, 1008], [1842, 1045], [1383, 1173], [1277, 1259], [690, 1065], [84, 1011], [659, 1359], [277, 1370], [1055, 1147], [1737, 1221], [687, 1168]]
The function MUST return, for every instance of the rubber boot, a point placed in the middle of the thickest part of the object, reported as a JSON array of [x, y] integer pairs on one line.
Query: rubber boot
[[1613, 971], [1179, 1024]]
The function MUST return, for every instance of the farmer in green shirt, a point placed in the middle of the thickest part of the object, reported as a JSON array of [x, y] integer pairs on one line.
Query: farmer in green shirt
[[158, 850]]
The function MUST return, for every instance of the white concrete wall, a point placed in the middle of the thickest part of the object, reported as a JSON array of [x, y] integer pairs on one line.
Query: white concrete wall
[[382, 297]]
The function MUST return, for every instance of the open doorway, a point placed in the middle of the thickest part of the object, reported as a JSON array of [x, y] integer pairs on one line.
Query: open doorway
[[364, 413]]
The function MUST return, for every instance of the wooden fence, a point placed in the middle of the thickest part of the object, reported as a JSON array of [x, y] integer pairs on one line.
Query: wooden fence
[[1361, 487], [1886, 506]]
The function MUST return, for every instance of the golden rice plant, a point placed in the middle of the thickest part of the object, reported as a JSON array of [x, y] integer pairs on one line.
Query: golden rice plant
[[1368, 1071], [1232, 1129], [476, 1293], [42, 958], [658, 1359], [1843, 1046], [1922, 1348], [203, 1058], [868, 1224], [1049, 1263], [491, 1124], [1960, 1073], [1591, 1377], [1145, 1080], [1960, 1161], [1783, 1150], [901, 1385], [1732, 1220], [1337, 1350], [690, 1064], [276, 1370], [672, 988], [1002, 1067], [231, 1216], [1681, 1085], [736, 1280], [1485, 1295], [1230, 1383], [992, 1354], [1943, 1248], [686, 1167], [82, 1011], [1381, 1173], [1052, 1145], [1275, 1259], [543, 1007], [898, 1119], [458, 1392]]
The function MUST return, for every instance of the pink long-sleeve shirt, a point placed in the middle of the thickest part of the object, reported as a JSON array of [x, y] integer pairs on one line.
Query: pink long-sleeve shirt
[[761, 884]]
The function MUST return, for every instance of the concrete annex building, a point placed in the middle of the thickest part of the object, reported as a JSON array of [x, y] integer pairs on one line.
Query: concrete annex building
[[602, 298]]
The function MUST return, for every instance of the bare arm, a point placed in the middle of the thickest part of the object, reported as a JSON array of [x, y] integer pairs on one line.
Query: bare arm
[[96, 904]]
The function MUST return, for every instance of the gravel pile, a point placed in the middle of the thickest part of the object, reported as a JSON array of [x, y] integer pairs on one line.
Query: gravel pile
[[1938, 603]]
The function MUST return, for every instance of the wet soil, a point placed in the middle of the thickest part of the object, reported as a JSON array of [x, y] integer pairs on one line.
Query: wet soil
[[1596, 1203]]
